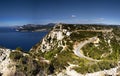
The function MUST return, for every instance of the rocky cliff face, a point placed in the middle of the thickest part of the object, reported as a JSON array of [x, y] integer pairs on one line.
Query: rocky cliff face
[[92, 49], [17, 63], [7, 67], [69, 50], [55, 37]]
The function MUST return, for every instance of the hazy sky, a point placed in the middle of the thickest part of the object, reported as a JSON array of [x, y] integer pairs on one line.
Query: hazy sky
[[19, 12]]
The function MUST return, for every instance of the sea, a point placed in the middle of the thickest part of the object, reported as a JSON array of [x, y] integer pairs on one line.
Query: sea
[[11, 39]]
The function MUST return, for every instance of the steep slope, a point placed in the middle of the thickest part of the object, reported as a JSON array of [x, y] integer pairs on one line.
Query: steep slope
[[68, 50], [17, 63], [90, 48], [6, 64]]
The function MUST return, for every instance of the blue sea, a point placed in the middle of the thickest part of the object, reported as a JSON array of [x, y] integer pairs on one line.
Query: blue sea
[[9, 38]]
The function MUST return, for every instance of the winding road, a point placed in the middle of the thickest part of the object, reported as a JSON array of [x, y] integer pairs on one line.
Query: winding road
[[80, 45]]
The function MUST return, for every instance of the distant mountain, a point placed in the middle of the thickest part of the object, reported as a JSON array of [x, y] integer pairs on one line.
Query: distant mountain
[[35, 27]]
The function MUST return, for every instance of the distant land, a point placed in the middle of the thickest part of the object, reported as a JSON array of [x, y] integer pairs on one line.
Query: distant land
[[45, 27], [34, 27]]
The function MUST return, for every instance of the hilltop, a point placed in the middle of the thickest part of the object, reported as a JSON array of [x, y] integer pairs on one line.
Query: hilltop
[[71, 50]]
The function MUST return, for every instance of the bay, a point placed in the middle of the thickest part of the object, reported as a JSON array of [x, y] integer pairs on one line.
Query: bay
[[9, 38]]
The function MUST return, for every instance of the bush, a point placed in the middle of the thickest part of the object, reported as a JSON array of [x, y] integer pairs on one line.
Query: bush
[[16, 55], [24, 60], [19, 49]]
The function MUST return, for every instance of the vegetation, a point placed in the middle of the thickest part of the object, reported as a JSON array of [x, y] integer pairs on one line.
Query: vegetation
[[60, 57], [19, 49], [16, 55], [82, 35], [25, 64], [98, 66]]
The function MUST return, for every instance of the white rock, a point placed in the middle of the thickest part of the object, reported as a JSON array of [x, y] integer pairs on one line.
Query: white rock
[[6, 65], [60, 35], [68, 33]]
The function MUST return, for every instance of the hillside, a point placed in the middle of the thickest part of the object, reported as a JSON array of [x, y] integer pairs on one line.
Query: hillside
[[90, 48], [72, 50]]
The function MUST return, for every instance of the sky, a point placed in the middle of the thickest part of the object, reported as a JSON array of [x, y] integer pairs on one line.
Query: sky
[[20, 12]]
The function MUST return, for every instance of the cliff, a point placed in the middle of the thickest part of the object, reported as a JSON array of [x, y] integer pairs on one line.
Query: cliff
[[6, 64], [68, 50], [92, 49]]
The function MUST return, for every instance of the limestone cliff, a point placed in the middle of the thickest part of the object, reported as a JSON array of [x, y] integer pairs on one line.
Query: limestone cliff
[[68, 50], [17, 63], [92, 49], [6, 64]]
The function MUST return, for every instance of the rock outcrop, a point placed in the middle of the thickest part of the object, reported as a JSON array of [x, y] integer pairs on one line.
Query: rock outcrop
[[68, 50], [94, 56], [7, 67]]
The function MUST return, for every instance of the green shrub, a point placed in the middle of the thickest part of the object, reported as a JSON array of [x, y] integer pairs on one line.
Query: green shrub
[[16, 55], [19, 49]]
